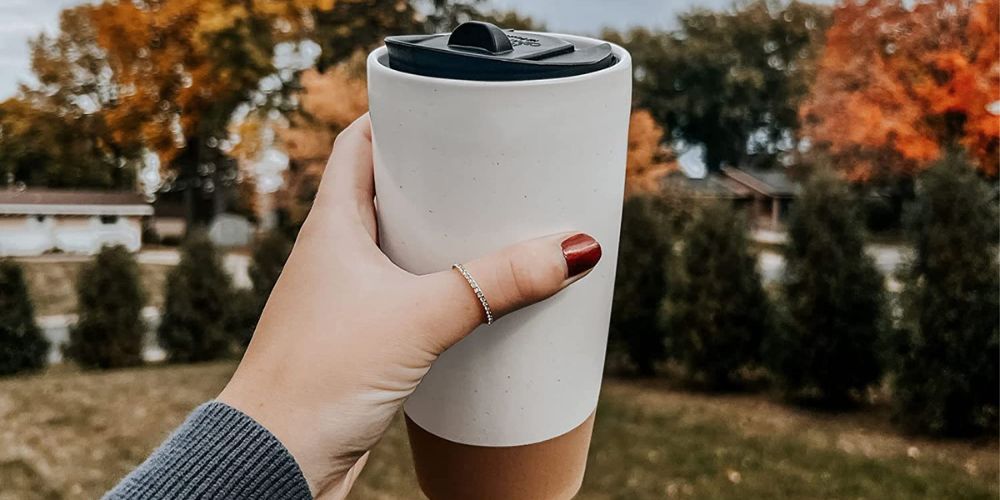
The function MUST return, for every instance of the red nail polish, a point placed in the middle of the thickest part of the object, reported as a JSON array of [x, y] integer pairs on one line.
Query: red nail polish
[[581, 252]]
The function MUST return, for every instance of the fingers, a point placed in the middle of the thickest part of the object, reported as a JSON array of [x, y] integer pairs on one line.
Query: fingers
[[510, 279]]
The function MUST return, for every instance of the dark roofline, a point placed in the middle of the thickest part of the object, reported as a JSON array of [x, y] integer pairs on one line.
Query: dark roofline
[[749, 180]]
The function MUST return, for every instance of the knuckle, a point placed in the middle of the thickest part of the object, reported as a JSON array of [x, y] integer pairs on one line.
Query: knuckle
[[529, 280]]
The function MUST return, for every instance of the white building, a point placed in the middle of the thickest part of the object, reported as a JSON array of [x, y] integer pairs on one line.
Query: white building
[[35, 221]]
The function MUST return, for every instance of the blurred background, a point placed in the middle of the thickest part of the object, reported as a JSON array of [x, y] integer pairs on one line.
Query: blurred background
[[808, 297]]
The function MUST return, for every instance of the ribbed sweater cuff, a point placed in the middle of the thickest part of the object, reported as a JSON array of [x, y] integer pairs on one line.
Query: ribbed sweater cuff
[[218, 452]]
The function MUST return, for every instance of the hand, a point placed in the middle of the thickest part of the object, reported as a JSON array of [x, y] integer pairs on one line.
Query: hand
[[346, 335]]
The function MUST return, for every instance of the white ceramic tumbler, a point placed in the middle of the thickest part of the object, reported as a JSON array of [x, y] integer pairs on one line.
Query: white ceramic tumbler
[[464, 167]]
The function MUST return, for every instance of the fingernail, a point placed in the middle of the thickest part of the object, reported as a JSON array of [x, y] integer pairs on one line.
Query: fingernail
[[581, 252]]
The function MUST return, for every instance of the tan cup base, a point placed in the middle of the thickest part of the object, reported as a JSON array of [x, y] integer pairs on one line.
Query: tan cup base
[[550, 470]]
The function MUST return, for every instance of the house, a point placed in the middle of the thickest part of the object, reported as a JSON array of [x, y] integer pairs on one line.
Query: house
[[765, 194], [169, 221], [772, 190], [36, 221]]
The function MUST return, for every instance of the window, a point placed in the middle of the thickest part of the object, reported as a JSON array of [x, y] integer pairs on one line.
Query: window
[[109, 219]]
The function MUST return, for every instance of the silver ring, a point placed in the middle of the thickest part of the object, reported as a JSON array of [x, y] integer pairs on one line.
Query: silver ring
[[479, 291]]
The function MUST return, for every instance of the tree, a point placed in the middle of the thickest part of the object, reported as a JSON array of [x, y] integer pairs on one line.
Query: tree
[[188, 66], [22, 346], [644, 253], [41, 148], [898, 84], [730, 81], [109, 331], [51, 134], [648, 159], [948, 354], [716, 311], [329, 102], [833, 296], [169, 77], [197, 310]]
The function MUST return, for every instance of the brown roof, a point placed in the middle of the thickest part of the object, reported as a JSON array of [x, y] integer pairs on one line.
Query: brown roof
[[69, 197], [710, 186], [774, 183], [72, 202]]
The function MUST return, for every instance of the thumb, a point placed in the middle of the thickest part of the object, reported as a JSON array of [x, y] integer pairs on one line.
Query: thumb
[[512, 278]]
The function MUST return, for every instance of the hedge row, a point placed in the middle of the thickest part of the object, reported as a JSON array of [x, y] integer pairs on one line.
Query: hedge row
[[204, 316], [828, 331]]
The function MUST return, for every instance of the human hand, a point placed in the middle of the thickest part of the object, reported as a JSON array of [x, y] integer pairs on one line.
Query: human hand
[[347, 335]]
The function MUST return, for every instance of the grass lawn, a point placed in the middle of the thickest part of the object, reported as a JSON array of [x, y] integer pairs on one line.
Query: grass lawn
[[64, 434], [52, 284]]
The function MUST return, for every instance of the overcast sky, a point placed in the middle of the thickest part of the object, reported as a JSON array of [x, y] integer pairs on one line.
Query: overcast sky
[[22, 19]]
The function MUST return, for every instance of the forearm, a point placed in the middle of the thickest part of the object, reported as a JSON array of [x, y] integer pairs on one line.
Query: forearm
[[218, 452]]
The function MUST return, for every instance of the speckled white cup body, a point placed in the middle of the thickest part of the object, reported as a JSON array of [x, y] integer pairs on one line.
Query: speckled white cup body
[[463, 168]]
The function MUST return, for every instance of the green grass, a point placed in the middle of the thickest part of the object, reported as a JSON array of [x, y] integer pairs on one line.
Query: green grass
[[651, 443], [66, 434], [653, 454]]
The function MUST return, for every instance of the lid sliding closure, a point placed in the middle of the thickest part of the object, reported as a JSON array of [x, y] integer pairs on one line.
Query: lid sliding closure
[[482, 51]]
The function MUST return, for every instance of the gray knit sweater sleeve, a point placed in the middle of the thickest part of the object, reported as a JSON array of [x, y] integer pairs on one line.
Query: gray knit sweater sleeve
[[218, 452]]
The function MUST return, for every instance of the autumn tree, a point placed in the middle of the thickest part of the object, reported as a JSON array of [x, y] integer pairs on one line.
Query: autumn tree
[[172, 76], [51, 133], [899, 83], [648, 158], [329, 102], [729, 81]]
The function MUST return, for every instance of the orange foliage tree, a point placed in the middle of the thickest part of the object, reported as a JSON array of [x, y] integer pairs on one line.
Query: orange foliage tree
[[648, 160], [181, 69], [897, 85], [328, 103]]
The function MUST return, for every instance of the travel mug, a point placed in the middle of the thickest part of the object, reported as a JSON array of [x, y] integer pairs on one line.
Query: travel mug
[[483, 138]]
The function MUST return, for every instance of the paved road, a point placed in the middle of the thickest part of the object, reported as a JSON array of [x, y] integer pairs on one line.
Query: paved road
[[887, 259]]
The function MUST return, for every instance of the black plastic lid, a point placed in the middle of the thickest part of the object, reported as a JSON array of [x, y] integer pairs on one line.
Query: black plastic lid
[[482, 51]]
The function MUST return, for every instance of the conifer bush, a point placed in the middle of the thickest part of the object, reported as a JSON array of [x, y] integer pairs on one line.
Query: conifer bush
[[640, 284], [109, 330], [716, 310], [827, 348], [946, 364], [23, 348], [197, 311]]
